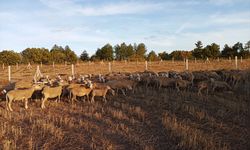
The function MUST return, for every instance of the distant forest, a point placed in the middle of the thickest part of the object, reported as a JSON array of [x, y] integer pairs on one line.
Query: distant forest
[[129, 52]]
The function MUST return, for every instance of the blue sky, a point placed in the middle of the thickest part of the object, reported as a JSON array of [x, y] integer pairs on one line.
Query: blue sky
[[163, 25]]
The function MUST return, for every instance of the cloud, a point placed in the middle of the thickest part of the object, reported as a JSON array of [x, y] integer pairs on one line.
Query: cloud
[[118, 8], [221, 2], [233, 18]]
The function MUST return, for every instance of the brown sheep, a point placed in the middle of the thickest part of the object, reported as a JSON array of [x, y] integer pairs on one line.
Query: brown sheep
[[20, 94], [203, 85], [80, 92], [220, 85], [51, 92], [101, 92], [182, 84], [166, 82]]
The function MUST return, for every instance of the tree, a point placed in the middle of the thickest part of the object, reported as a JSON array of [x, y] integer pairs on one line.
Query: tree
[[215, 50], [118, 52], [211, 51], [123, 51], [70, 55], [105, 53], [245, 53], [237, 48], [181, 54], [36, 55], [227, 51], [57, 56], [9, 57], [152, 56], [84, 56], [247, 46], [198, 51], [141, 51], [129, 52], [164, 56]]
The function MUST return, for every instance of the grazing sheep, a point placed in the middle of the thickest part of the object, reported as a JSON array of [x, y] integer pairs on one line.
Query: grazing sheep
[[101, 92], [163, 74], [51, 92], [203, 85], [5, 87], [182, 84], [166, 82], [120, 85], [186, 75], [220, 85], [20, 94], [80, 92], [200, 76], [174, 75]]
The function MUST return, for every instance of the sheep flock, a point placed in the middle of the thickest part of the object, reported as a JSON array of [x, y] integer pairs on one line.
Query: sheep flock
[[88, 87]]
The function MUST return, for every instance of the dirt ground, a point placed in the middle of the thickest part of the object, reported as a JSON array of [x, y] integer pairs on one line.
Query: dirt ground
[[147, 119]]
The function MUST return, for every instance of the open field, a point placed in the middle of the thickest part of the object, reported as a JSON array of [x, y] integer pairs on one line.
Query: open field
[[147, 119], [22, 72]]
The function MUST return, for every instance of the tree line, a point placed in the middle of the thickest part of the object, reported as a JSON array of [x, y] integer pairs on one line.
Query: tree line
[[123, 51]]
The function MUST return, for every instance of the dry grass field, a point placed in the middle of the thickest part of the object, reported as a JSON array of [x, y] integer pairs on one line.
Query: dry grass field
[[147, 119]]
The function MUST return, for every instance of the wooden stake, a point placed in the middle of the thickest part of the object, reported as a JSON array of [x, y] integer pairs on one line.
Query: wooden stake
[[236, 62], [186, 64], [109, 67]]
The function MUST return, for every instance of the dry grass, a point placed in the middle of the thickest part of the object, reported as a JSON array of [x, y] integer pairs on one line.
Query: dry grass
[[148, 119], [98, 67]]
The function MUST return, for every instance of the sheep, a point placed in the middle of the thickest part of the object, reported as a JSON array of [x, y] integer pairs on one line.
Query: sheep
[[79, 91], [51, 92], [20, 94], [174, 75], [166, 82], [203, 85], [186, 75], [213, 74], [67, 88], [220, 85], [163, 74], [101, 92], [5, 87], [200, 76], [120, 85], [182, 84]]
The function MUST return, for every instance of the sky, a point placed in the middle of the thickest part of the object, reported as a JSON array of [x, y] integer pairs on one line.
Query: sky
[[163, 25]]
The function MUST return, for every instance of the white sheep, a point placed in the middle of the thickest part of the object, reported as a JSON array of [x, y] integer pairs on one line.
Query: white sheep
[[220, 85], [51, 92], [80, 92], [101, 92], [20, 94]]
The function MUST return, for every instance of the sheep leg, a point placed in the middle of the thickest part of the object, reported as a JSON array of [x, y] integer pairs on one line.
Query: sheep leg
[[7, 102], [178, 89], [73, 98], [9, 105], [43, 102], [213, 88], [199, 92], [123, 92], [104, 98], [26, 103], [92, 99], [87, 97]]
